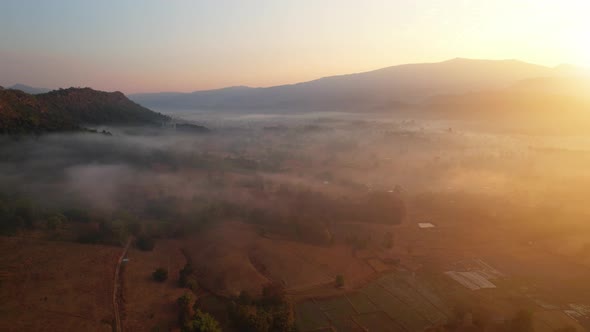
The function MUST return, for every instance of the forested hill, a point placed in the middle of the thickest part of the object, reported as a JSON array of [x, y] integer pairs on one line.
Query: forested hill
[[69, 109]]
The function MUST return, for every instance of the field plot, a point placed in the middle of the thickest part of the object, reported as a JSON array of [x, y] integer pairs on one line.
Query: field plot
[[471, 280], [390, 303], [400, 312], [150, 304], [309, 317], [245, 260], [378, 322], [346, 325], [552, 320], [378, 265], [56, 286], [423, 287], [403, 291], [361, 303], [337, 308]]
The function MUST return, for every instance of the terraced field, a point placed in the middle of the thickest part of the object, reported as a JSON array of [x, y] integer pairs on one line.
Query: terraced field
[[395, 302]]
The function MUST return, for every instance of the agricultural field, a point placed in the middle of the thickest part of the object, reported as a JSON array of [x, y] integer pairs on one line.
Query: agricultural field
[[386, 304], [56, 286], [151, 305], [245, 260]]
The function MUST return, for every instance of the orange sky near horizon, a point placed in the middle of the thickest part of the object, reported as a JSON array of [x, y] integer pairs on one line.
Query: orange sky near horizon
[[194, 45]]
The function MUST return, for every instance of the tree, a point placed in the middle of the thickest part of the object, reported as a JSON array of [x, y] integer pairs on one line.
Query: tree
[[282, 319], [55, 221], [339, 281], [160, 274], [185, 300], [202, 322], [245, 298], [145, 243], [185, 276], [185, 311]]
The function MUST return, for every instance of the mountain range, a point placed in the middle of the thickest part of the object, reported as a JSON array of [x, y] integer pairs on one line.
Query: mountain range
[[393, 87], [28, 89]]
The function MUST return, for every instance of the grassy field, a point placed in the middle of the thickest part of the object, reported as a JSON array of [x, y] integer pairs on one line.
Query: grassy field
[[245, 260], [56, 286], [150, 305]]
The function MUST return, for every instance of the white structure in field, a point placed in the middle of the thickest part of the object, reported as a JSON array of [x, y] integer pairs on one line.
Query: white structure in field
[[472, 279], [425, 225]]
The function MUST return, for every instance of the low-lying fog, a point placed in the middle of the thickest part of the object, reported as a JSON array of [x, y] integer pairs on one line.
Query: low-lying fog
[[337, 154]]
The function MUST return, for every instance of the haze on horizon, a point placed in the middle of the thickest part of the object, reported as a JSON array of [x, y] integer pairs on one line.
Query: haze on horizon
[[143, 46]]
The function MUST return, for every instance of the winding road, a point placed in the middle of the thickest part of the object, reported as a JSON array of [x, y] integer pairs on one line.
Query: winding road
[[118, 325]]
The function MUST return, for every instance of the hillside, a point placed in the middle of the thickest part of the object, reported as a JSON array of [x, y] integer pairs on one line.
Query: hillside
[[391, 87], [69, 109]]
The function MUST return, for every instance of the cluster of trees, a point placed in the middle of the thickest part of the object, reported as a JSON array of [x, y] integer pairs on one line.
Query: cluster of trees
[[271, 312], [113, 231], [16, 213], [192, 319]]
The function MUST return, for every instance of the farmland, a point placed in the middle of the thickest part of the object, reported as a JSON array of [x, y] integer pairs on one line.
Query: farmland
[[148, 304], [56, 286], [390, 303], [434, 231]]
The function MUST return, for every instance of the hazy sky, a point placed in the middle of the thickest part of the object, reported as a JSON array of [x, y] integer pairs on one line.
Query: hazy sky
[[178, 45]]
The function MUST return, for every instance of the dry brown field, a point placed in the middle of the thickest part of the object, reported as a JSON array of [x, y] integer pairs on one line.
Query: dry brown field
[[56, 286], [150, 305]]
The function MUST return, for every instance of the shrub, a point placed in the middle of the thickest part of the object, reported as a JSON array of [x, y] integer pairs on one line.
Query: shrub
[[185, 277], [145, 243], [55, 221], [273, 294], [160, 274], [245, 298]]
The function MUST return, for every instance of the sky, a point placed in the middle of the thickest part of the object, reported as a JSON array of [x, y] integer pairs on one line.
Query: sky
[[187, 45]]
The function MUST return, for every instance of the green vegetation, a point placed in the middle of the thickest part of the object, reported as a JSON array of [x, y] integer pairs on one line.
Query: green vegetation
[[145, 243], [186, 278], [192, 319], [270, 313], [160, 274], [201, 322], [16, 213], [56, 221]]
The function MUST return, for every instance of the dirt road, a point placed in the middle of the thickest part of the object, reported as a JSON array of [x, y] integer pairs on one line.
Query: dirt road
[[118, 325]]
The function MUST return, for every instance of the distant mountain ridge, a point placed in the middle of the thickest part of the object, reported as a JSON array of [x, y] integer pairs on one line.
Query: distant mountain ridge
[[28, 89], [391, 87], [69, 109]]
